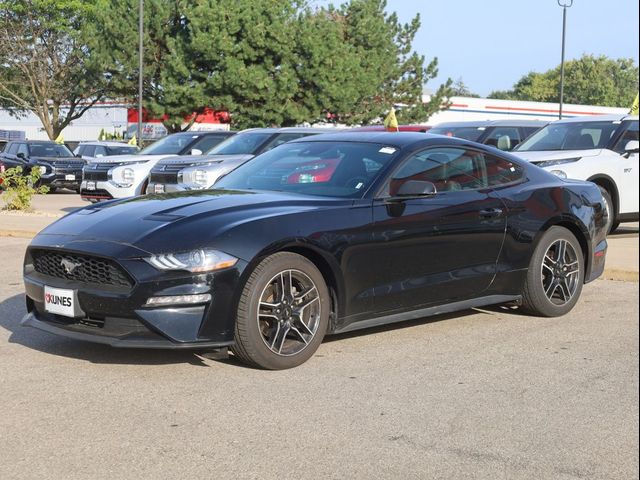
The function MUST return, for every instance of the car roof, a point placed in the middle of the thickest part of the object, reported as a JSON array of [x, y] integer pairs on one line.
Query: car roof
[[293, 130], [493, 123], [394, 139], [599, 118], [105, 144]]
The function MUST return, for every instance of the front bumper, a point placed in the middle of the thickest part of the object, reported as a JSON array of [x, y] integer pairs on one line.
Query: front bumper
[[106, 191], [117, 315], [157, 187], [62, 180]]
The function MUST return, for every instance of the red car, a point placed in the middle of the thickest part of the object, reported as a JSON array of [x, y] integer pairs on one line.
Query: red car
[[317, 171]]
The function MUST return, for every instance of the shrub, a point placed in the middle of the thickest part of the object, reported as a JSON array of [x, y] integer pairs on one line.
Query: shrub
[[19, 188]]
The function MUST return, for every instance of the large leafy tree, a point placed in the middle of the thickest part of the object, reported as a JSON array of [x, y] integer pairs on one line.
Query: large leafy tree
[[589, 80], [46, 65]]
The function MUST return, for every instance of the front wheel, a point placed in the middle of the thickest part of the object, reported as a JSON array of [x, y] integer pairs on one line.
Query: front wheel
[[555, 276], [283, 313]]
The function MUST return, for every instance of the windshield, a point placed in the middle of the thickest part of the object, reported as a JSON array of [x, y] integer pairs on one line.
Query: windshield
[[570, 136], [467, 133], [326, 169], [247, 143], [125, 150], [170, 145], [49, 150]]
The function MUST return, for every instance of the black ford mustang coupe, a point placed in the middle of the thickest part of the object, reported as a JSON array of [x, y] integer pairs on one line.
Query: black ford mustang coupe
[[322, 235]]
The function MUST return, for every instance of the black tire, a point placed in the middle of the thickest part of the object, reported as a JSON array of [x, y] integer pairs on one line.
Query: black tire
[[612, 223], [252, 328], [535, 297]]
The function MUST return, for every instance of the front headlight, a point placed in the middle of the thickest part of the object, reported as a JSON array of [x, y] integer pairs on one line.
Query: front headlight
[[128, 175], [196, 261], [561, 161], [200, 177], [43, 170], [559, 173]]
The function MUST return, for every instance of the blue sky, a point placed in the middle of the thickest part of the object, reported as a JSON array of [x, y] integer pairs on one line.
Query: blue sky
[[490, 44]]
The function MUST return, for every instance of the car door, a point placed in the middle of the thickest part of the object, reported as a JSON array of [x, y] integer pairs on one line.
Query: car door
[[9, 157], [440, 248], [628, 169]]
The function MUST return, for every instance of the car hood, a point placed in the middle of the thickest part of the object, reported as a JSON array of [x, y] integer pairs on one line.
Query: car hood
[[57, 159], [546, 155], [128, 158], [190, 160], [154, 223]]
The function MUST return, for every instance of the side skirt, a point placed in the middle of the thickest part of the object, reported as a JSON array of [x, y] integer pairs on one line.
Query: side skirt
[[429, 311]]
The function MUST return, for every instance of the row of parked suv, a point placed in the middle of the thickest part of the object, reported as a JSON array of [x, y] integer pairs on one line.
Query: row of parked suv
[[601, 149]]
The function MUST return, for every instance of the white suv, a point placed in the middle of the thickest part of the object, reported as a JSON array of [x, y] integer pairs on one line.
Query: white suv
[[122, 176], [602, 149]]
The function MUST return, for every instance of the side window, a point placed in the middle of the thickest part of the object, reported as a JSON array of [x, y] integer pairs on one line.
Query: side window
[[98, 151], [88, 150], [207, 142], [504, 138], [449, 169], [631, 133], [283, 138], [501, 171], [13, 149], [23, 148], [455, 169]]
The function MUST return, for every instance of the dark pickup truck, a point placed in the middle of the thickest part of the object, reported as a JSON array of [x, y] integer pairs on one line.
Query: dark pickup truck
[[58, 166]]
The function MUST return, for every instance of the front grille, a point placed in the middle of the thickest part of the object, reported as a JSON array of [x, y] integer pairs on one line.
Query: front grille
[[166, 173], [97, 171], [80, 268]]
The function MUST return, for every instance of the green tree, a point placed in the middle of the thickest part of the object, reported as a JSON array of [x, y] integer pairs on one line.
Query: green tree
[[270, 62], [460, 89], [359, 61], [589, 80], [46, 66]]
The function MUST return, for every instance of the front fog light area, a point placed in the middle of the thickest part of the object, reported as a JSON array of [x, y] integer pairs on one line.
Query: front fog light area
[[171, 300]]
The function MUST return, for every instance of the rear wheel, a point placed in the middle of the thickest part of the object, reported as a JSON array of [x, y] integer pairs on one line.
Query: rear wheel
[[555, 276], [283, 313]]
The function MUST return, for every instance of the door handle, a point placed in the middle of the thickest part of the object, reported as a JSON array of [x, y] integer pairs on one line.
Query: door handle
[[491, 212]]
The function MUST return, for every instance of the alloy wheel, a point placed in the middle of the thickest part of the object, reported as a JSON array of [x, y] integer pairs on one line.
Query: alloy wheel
[[560, 272], [289, 312]]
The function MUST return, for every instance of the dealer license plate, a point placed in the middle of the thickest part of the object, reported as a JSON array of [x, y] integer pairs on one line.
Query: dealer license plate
[[70, 177], [91, 185], [158, 188], [60, 301]]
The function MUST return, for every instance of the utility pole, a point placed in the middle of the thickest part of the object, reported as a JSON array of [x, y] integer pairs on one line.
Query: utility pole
[[140, 69], [564, 4]]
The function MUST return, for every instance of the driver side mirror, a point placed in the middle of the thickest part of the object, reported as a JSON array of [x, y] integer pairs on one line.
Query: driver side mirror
[[20, 155], [632, 146], [411, 189], [195, 151]]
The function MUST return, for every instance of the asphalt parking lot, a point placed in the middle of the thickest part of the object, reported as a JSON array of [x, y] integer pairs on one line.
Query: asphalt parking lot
[[480, 394]]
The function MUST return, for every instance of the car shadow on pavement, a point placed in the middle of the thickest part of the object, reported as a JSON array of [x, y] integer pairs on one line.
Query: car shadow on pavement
[[12, 310], [400, 325]]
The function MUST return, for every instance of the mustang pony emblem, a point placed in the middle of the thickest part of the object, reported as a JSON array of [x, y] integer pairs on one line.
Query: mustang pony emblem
[[69, 265]]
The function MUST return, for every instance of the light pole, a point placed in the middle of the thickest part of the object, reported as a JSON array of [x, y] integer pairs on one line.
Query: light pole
[[564, 4], [140, 69]]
